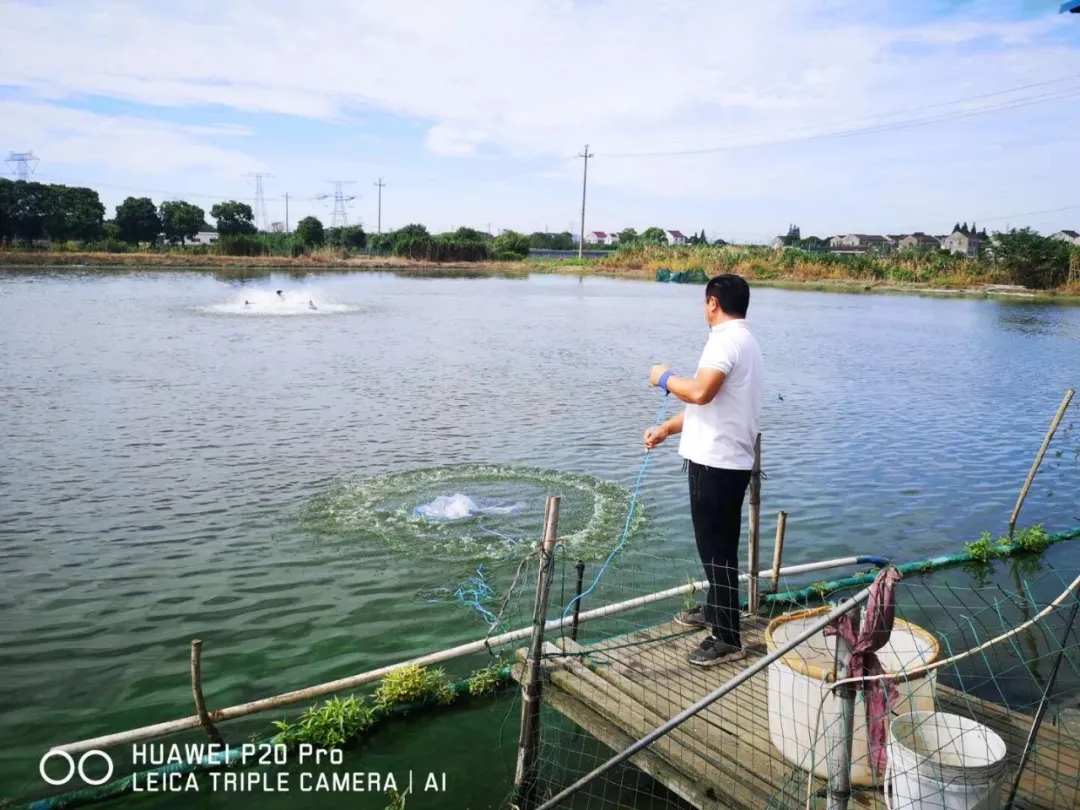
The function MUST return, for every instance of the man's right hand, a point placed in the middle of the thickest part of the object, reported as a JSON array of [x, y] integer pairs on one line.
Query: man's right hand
[[655, 435]]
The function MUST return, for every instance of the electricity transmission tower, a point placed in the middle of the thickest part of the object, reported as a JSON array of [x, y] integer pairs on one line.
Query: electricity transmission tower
[[380, 186], [22, 164], [260, 200], [340, 217]]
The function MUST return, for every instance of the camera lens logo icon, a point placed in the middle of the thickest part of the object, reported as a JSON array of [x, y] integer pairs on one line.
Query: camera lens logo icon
[[80, 767]]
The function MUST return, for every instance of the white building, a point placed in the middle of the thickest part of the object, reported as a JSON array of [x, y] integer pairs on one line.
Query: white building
[[962, 243], [675, 238], [596, 238], [1072, 237]]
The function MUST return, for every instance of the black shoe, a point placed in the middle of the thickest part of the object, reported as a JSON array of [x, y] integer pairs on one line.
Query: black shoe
[[712, 651], [695, 617]]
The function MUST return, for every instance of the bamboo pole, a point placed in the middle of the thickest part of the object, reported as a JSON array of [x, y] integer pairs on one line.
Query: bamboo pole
[[196, 691], [840, 734], [473, 647], [752, 594], [778, 549], [1038, 459], [532, 686]]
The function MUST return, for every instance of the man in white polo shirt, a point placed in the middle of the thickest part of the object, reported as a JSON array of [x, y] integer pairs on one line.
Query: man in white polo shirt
[[719, 427]]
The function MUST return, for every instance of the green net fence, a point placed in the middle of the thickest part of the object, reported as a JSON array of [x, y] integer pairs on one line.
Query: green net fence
[[984, 662]]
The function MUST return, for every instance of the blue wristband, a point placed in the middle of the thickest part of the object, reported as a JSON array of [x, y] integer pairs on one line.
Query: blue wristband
[[662, 382]]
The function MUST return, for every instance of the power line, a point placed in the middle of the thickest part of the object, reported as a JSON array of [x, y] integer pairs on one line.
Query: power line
[[1039, 98], [23, 164]]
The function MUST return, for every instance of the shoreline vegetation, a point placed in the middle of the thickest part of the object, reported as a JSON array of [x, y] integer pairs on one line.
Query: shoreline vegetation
[[763, 266], [64, 228]]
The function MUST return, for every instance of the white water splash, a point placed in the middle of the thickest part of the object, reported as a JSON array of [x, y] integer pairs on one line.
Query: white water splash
[[305, 301], [459, 507]]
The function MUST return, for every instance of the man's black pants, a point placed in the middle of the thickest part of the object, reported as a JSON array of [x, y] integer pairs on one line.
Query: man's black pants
[[716, 500]]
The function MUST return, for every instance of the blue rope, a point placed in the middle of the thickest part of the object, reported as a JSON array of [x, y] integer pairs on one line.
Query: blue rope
[[629, 518], [472, 593]]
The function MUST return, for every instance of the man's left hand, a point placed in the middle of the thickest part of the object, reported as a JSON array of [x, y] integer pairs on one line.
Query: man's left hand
[[657, 372]]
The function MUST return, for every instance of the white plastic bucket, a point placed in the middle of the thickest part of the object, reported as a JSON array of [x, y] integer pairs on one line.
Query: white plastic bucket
[[941, 761], [799, 683]]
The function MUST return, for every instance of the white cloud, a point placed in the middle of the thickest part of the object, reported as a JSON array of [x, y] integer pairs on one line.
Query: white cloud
[[126, 143], [538, 78], [443, 139]]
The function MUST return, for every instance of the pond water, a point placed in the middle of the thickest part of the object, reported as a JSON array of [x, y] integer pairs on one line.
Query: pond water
[[176, 463]]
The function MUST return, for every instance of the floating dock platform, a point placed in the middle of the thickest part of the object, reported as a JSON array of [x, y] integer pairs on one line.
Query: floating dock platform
[[621, 689]]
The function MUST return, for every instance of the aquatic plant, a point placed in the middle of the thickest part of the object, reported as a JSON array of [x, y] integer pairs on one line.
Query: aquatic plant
[[1032, 540], [982, 550], [334, 723], [486, 681], [414, 684]]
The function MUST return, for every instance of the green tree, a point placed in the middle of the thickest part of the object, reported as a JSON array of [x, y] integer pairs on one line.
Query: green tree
[[704, 240], [654, 236], [348, 236], [181, 220], [34, 211], [1033, 260], [137, 220], [511, 245], [83, 212], [310, 232], [628, 236], [233, 218], [7, 205]]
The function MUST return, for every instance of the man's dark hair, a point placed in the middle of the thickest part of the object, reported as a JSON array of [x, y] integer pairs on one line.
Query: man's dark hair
[[731, 292]]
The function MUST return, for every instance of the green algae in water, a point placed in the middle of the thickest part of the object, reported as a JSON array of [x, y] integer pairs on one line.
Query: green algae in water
[[380, 511]]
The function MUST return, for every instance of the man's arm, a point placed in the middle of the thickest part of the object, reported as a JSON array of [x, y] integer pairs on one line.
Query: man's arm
[[698, 390], [673, 426]]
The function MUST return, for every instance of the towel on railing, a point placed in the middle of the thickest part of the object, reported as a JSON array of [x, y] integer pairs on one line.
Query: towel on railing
[[872, 634]]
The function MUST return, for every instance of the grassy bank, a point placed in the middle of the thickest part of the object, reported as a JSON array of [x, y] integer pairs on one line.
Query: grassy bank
[[909, 270], [925, 274]]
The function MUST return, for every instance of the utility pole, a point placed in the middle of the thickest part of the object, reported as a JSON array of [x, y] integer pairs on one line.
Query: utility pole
[[286, 212], [584, 183], [380, 185]]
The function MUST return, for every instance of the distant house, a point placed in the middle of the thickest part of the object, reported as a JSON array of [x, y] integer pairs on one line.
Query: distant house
[[596, 238], [962, 243], [612, 238], [1072, 237], [920, 240], [863, 240], [777, 243], [201, 238], [675, 238]]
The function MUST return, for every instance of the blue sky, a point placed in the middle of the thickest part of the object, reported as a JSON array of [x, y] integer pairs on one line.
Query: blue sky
[[838, 115]]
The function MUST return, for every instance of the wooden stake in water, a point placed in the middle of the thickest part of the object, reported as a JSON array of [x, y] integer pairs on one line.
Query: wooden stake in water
[[1038, 458], [197, 693], [752, 598], [778, 550], [529, 741]]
